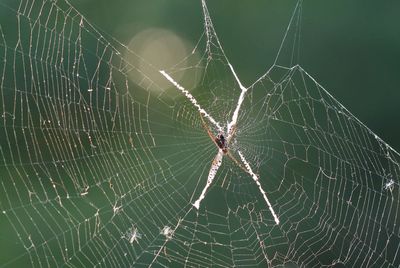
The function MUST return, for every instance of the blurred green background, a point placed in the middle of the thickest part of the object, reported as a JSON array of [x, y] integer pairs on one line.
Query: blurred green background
[[350, 47]]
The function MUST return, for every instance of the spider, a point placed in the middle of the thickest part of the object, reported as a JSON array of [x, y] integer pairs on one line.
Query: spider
[[223, 143]]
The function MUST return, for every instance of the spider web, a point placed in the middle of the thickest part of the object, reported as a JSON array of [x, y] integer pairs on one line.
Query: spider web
[[100, 170]]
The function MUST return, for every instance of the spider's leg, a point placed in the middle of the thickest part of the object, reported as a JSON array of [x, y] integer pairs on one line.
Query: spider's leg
[[210, 134], [237, 162]]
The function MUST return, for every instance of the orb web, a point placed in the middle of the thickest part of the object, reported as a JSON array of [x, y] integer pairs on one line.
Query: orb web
[[99, 169]]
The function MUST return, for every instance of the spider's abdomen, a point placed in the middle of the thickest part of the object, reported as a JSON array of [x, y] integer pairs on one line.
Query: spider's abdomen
[[221, 142]]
